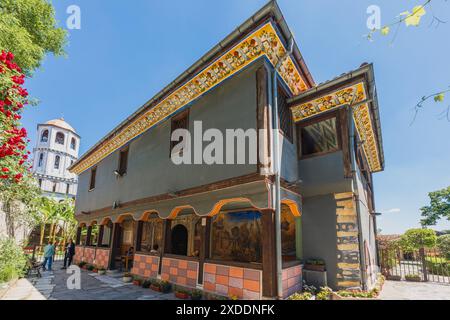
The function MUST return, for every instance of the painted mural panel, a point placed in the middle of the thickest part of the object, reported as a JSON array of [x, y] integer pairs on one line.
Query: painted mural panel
[[237, 237], [287, 233]]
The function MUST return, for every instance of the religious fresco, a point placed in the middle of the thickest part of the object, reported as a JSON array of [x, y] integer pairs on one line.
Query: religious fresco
[[287, 233], [353, 95], [262, 42], [237, 237], [152, 233]]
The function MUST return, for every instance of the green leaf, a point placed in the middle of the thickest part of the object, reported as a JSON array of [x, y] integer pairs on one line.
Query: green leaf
[[439, 97]]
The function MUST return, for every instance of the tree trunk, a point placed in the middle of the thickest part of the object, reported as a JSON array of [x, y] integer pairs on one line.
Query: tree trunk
[[41, 240]]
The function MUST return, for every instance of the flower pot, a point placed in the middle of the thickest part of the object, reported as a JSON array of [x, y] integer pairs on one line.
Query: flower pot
[[155, 288], [181, 295], [127, 279], [95, 270], [136, 282], [101, 272], [315, 267]]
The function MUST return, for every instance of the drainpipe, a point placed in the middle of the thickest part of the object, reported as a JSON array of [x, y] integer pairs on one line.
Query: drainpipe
[[362, 257], [277, 166]]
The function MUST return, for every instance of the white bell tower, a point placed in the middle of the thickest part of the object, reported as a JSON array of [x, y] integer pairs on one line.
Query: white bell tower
[[56, 149]]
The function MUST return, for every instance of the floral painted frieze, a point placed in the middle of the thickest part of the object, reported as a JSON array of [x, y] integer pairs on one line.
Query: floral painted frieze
[[354, 96], [263, 41]]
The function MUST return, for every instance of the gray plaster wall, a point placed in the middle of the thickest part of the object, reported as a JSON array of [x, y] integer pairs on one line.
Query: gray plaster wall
[[322, 175], [151, 172], [319, 232], [367, 230]]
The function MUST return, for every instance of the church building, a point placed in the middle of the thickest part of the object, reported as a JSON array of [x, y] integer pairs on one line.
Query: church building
[[304, 210]]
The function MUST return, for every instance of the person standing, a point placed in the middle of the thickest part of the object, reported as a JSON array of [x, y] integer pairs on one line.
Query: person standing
[[68, 254], [49, 252]]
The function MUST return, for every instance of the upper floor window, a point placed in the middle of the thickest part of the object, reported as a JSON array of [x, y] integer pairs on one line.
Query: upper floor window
[[123, 161], [60, 138], [57, 161], [92, 181], [73, 144], [44, 136], [319, 137], [284, 114], [41, 160], [180, 121]]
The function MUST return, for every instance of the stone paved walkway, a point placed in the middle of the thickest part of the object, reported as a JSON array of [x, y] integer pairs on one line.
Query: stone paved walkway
[[52, 286], [403, 290]]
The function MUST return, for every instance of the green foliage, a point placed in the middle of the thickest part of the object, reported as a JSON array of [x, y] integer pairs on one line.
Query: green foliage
[[443, 243], [301, 296], [439, 207], [12, 260], [414, 239], [28, 29], [438, 266], [324, 294], [413, 277]]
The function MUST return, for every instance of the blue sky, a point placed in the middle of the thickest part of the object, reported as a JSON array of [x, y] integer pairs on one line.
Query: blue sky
[[126, 52]]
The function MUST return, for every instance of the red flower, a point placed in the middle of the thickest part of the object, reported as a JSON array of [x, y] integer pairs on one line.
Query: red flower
[[5, 170], [4, 177], [17, 116]]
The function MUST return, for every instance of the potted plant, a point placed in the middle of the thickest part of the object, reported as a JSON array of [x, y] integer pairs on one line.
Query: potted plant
[[127, 277], [394, 277], [165, 286], [90, 267], [155, 286], [146, 283], [182, 294], [196, 294], [101, 271], [301, 296], [315, 265], [82, 265], [95, 269], [137, 281]]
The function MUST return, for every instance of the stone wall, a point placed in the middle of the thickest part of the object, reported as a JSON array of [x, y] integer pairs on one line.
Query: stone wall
[[145, 266], [233, 281], [348, 259], [291, 280], [101, 258], [181, 272]]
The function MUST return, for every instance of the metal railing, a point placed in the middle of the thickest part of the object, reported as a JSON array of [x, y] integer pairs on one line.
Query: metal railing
[[418, 265], [36, 252]]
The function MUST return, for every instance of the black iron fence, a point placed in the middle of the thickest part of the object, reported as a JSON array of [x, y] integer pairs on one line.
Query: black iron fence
[[36, 252], [419, 265]]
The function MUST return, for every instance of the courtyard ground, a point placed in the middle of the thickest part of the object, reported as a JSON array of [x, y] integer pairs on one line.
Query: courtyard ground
[[52, 286], [403, 290]]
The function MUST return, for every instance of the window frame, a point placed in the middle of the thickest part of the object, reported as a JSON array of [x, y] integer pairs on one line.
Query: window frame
[[315, 120], [123, 171], [46, 132], [290, 134], [92, 179], [182, 115], [57, 162], [73, 143], [64, 138]]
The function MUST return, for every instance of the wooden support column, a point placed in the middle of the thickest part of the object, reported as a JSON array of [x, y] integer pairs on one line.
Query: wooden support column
[[205, 238], [100, 235], [115, 244], [344, 140], [88, 236], [269, 253], [78, 238], [138, 235], [166, 245]]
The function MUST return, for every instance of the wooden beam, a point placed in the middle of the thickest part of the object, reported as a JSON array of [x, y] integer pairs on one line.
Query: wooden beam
[[88, 236], [78, 237], [205, 238], [100, 235], [115, 245], [268, 253], [344, 138]]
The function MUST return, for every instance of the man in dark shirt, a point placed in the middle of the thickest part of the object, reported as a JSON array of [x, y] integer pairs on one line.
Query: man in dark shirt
[[69, 253]]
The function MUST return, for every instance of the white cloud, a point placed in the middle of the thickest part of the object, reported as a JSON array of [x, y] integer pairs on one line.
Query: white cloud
[[393, 210]]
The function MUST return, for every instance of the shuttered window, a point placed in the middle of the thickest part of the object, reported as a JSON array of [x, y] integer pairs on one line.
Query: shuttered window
[[285, 115]]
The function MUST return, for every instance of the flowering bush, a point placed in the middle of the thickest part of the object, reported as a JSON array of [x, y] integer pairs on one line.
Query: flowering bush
[[13, 139]]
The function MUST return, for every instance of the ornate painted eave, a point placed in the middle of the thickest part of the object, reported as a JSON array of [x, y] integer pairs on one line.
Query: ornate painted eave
[[263, 41], [357, 90]]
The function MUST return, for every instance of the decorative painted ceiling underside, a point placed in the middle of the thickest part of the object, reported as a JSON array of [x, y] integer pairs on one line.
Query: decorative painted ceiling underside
[[263, 41], [353, 95]]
